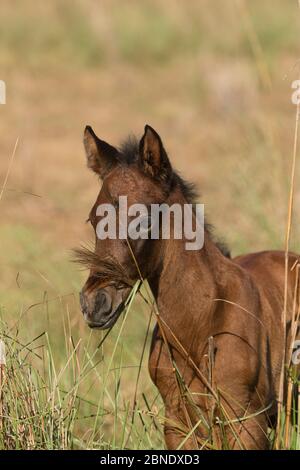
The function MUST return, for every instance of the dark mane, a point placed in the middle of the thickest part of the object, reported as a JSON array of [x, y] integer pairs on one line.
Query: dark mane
[[129, 151]]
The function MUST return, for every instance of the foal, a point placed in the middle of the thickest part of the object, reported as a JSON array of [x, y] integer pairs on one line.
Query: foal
[[217, 349]]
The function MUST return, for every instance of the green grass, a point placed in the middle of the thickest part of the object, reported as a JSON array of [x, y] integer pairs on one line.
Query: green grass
[[63, 387], [32, 40], [138, 33], [65, 391]]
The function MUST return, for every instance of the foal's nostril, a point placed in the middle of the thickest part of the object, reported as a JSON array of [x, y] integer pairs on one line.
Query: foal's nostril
[[99, 300], [95, 307], [102, 302]]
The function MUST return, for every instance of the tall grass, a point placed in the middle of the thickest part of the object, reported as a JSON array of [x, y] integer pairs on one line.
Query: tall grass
[[46, 406]]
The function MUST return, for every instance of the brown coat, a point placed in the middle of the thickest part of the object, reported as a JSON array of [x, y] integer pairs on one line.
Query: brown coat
[[218, 348]]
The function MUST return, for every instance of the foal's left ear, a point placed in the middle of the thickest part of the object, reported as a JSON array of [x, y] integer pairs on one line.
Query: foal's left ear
[[101, 156], [153, 157]]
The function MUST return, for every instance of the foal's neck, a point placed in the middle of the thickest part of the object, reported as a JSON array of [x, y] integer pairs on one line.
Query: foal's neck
[[185, 286]]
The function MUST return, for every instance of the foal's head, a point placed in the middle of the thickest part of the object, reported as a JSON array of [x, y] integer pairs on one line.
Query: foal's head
[[142, 172]]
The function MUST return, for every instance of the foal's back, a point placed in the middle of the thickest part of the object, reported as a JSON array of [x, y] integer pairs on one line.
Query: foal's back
[[267, 269]]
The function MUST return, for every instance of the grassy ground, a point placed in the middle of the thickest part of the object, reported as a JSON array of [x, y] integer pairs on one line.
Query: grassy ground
[[215, 81]]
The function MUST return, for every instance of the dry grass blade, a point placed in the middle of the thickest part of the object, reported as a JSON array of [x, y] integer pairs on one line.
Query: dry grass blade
[[9, 168], [287, 244]]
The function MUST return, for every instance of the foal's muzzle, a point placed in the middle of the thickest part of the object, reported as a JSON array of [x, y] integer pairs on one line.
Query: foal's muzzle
[[102, 307]]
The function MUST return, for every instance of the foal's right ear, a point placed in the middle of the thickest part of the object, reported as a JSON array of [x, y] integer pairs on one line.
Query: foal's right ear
[[101, 157]]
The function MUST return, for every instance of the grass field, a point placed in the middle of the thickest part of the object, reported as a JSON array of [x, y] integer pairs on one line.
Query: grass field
[[214, 78]]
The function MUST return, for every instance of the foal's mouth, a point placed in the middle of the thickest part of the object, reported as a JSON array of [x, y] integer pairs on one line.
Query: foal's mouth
[[108, 322]]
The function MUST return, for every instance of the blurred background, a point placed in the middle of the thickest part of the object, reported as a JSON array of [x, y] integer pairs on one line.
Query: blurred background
[[213, 78]]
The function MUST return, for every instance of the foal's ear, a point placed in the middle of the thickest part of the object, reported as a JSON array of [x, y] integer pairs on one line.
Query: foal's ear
[[101, 156], [153, 157]]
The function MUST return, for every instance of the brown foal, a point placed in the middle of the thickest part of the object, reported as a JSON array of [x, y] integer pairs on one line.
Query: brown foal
[[217, 350]]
